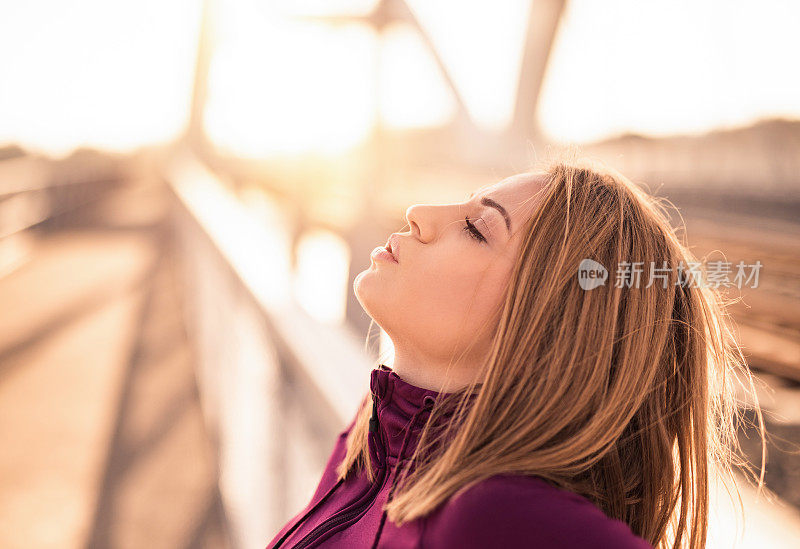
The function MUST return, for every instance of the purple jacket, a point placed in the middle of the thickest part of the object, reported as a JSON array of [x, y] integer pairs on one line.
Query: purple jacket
[[506, 510]]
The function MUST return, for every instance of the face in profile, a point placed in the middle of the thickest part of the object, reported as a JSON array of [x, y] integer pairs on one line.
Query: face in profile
[[445, 292]]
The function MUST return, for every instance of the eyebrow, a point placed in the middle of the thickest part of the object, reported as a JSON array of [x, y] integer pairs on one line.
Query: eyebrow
[[486, 201]]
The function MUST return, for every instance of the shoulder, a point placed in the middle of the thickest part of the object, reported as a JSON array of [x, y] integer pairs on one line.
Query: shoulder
[[329, 475], [521, 511]]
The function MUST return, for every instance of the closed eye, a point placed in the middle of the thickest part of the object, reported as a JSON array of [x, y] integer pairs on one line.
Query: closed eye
[[473, 231]]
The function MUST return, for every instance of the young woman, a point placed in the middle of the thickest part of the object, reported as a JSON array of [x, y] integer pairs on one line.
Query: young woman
[[542, 394]]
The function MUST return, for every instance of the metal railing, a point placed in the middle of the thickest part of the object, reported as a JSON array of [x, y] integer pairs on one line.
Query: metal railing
[[276, 385]]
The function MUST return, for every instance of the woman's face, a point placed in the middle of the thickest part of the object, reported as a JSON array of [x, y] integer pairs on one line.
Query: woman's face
[[447, 288]]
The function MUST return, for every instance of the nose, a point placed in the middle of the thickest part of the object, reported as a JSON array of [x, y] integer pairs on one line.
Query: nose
[[426, 220], [414, 219]]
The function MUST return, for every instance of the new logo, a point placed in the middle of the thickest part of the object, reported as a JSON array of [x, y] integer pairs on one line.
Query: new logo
[[591, 274]]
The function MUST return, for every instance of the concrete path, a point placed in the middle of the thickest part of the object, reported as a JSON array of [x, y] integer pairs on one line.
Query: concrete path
[[104, 443]]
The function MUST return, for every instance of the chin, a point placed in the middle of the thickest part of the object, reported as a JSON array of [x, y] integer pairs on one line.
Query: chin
[[373, 298], [364, 289]]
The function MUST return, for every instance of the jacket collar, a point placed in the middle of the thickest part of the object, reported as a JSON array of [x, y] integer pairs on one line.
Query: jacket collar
[[401, 410]]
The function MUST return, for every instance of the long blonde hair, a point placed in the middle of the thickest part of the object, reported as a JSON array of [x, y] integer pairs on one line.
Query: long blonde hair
[[624, 394]]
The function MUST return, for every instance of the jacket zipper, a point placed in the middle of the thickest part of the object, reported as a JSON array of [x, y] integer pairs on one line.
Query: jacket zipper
[[342, 517], [346, 515]]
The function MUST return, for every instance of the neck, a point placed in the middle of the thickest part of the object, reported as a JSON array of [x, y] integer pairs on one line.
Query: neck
[[430, 374]]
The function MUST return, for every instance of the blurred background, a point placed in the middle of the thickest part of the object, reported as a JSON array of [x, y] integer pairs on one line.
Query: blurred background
[[188, 189]]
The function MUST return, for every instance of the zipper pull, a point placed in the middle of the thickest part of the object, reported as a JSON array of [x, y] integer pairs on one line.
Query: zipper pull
[[373, 439]]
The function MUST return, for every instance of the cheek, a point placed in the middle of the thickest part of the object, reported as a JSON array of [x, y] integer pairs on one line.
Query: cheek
[[458, 287], [488, 296]]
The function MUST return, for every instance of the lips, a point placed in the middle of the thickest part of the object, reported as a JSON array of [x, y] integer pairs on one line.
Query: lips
[[392, 248]]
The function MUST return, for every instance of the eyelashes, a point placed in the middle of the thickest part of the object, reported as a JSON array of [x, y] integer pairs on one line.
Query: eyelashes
[[473, 231]]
